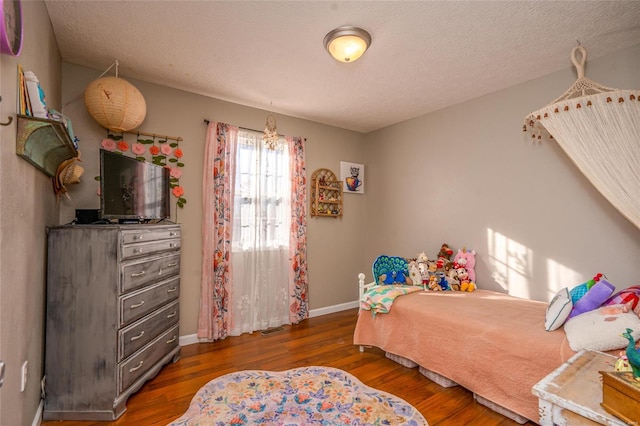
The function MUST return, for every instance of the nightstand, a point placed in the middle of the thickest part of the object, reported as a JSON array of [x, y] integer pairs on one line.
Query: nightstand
[[572, 394]]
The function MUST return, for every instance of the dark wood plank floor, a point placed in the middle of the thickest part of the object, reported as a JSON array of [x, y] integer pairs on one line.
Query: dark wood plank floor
[[326, 340]]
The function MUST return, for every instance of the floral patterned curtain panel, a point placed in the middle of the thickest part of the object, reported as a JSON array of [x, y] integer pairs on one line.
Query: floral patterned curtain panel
[[216, 296], [298, 284], [217, 227]]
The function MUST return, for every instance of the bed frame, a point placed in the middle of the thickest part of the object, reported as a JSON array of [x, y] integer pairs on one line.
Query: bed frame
[[482, 354]]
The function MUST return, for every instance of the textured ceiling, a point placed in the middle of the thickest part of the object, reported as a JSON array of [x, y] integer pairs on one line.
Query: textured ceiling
[[424, 55]]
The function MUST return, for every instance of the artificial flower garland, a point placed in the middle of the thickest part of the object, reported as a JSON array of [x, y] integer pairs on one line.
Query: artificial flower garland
[[163, 153]]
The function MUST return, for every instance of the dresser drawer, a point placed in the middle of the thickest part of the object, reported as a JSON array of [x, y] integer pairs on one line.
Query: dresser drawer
[[139, 303], [143, 235], [135, 366], [141, 332], [142, 249], [136, 274]]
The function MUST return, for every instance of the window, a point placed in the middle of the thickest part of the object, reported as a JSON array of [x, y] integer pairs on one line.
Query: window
[[262, 195]]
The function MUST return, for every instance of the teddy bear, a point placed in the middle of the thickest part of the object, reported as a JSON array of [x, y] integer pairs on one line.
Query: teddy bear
[[466, 259]]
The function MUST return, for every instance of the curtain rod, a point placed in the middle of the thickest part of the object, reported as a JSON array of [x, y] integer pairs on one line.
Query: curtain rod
[[153, 135], [243, 128]]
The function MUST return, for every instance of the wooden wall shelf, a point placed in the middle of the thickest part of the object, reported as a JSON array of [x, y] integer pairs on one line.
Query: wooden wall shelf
[[326, 194]]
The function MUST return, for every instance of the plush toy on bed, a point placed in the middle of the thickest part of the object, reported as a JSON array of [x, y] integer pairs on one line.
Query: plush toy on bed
[[394, 277], [445, 251], [414, 274], [433, 283], [466, 259], [466, 284], [423, 266]]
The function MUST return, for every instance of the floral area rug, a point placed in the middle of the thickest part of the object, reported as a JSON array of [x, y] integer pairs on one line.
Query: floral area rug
[[302, 396]]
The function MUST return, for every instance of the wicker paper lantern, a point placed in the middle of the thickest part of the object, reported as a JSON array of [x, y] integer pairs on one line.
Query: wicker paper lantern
[[115, 103]]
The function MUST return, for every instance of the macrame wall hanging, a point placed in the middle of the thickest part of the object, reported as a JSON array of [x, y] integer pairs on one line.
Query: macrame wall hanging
[[599, 129]]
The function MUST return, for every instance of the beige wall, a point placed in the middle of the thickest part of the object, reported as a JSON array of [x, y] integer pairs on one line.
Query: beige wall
[[333, 244], [27, 206], [468, 176]]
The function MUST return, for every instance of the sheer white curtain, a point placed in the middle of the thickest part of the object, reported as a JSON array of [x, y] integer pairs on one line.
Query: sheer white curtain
[[259, 292]]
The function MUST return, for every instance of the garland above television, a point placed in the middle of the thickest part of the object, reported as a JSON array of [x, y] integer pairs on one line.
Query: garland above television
[[161, 150]]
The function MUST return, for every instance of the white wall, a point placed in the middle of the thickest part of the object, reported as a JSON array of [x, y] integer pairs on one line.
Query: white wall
[[468, 176]]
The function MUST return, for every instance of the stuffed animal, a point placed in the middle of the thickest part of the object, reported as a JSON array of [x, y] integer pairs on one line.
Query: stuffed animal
[[442, 281], [445, 252], [394, 277], [467, 286], [433, 283], [466, 283], [466, 259], [452, 278], [414, 273], [423, 266]]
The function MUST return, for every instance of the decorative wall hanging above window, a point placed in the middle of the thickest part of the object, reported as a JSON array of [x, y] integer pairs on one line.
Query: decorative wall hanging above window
[[115, 103], [271, 137], [599, 129]]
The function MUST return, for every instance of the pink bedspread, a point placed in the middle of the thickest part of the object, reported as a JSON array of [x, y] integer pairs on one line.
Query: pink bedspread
[[491, 343]]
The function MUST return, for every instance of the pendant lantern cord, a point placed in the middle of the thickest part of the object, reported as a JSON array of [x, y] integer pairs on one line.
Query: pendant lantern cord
[[116, 64]]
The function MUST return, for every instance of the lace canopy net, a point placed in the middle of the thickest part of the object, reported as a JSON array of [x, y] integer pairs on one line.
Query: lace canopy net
[[599, 129]]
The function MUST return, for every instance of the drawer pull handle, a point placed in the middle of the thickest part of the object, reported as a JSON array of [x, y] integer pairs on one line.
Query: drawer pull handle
[[173, 339], [172, 264], [138, 250], [137, 305], [172, 245], [136, 367], [172, 314], [137, 274], [173, 234], [172, 289], [138, 336], [137, 237]]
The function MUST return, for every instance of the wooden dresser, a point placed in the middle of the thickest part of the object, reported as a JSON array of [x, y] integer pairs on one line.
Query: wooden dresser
[[112, 318]]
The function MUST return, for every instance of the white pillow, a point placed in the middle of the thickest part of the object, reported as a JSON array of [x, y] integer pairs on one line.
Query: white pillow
[[558, 310], [601, 332]]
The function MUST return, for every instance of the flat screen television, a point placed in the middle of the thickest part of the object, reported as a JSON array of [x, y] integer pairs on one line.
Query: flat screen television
[[132, 190]]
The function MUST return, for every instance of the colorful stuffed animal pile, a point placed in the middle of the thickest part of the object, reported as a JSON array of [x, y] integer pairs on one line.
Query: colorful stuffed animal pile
[[444, 274]]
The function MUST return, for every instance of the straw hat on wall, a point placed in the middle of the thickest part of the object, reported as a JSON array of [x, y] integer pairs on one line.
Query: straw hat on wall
[[68, 172]]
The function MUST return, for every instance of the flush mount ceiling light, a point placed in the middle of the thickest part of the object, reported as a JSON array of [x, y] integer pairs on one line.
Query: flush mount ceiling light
[[347, 44]]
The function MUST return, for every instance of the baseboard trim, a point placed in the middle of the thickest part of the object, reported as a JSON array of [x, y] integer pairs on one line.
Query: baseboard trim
[[38, 418], [190, 339], [332, 309]]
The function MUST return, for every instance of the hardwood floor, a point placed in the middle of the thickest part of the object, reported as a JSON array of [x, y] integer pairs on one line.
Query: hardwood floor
[[326, 340]]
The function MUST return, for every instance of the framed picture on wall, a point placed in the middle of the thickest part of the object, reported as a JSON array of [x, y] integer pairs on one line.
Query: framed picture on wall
[[352, 177]]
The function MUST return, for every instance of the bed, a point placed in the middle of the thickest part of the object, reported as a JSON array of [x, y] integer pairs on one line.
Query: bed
[[493, 344]]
